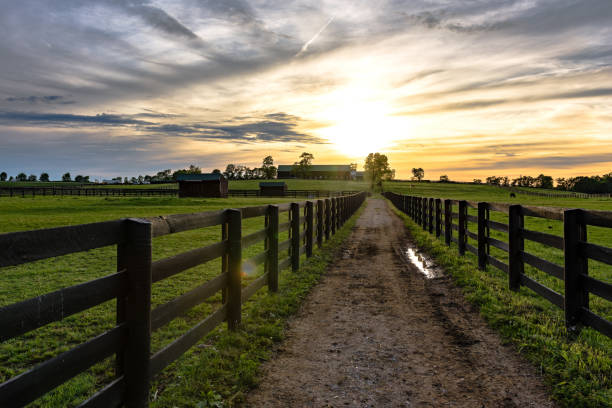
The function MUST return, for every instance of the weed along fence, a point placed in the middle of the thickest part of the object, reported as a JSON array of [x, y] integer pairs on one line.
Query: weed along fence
[[451, 219], [310, 223]]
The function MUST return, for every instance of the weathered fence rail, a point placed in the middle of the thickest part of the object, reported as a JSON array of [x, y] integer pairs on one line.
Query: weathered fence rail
[[147, 192], [438, 218], [130, 339]]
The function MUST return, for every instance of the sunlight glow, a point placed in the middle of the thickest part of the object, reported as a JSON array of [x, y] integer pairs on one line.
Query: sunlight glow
[[361, 126]]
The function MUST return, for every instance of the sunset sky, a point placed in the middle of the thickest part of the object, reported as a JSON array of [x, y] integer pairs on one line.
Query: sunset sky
[[467, 88]]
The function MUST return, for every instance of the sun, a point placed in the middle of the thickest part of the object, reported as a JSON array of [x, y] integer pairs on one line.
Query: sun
[[360, 127]]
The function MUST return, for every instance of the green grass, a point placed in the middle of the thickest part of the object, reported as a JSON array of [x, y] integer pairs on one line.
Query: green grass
[[484, 192], [242, 348], [577, 369]]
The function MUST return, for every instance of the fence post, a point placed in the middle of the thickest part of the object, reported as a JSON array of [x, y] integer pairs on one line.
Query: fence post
[[224, 260], [320, 223], [576, 264], [137, 258], [295, 236], [309, 227], [516, 244], [327, 218], [462, 236], [431, 215], [272, 246], [333, 216], [438, 217], [234, 264], [448, 221], [482, 235]]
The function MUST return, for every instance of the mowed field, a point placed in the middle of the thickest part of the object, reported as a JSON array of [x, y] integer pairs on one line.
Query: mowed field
[[37, 278]]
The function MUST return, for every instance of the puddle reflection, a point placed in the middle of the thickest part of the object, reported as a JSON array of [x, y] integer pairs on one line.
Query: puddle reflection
[[421, 263]]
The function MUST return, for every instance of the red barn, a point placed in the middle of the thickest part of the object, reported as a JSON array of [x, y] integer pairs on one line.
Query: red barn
[[202, 185]]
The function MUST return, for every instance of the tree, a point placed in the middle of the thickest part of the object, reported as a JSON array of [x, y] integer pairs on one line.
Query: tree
[[230, 171], [418, 173], [268, 168], [193, 169], [22, 177], [543, 181], [444, 178], [377, 169], [32, 177], [3, 176], [44, 177], [301, 168], [477, 181], [66, 177], [216, 171], [78, 178]]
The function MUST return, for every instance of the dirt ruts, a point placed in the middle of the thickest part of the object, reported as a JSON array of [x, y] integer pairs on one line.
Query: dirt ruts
[[376, 333]]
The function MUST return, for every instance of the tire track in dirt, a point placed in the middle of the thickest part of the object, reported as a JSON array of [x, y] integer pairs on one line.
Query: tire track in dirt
[[376, 333]]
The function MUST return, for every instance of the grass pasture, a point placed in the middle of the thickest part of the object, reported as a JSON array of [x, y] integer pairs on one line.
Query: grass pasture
[[243, 350], [578, 369]]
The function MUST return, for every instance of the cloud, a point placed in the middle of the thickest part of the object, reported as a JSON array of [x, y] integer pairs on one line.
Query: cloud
[[65, 119], [538, 162], [47, 99]]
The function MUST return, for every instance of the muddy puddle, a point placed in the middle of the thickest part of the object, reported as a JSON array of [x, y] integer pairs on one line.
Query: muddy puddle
[[423, 264]]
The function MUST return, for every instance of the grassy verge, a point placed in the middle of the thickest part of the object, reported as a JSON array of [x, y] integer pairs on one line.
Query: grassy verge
[[577, 370], [36, 278], [219, 373]]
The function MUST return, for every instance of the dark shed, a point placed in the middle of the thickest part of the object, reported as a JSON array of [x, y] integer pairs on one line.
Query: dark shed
[[202, 185], [272, 188]]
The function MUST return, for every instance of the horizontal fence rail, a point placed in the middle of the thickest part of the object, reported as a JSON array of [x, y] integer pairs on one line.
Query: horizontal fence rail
[[450, 219], [101, 191], [130, 340]]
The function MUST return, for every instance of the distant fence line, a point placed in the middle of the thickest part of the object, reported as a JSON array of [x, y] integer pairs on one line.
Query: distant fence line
[[130, 339], [560, 194], [149, 192], [436, 215]]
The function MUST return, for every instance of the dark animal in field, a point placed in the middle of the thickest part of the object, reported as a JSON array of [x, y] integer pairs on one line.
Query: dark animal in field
[[512, 195]]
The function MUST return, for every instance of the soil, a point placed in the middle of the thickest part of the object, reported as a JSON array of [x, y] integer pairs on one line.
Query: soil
[[377, 333]]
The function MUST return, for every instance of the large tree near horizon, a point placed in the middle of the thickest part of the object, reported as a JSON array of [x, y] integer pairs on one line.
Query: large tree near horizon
[[377, 168]]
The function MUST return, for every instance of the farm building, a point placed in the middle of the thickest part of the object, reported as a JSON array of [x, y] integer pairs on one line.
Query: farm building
[[202, 185], [318, 171], [272, 188]]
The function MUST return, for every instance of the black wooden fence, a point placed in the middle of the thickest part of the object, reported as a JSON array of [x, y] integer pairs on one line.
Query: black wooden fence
[[147, 192], [130, 339], [437, 215]]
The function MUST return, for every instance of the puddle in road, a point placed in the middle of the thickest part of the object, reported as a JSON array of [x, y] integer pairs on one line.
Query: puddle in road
[[423, 264]]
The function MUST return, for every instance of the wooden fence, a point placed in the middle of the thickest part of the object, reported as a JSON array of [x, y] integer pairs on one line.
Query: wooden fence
[[556, 194], [147, 192], [437, 215], [130, 339]]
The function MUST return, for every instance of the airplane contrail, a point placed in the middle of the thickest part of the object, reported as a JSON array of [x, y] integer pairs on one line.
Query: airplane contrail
[[305, 46]]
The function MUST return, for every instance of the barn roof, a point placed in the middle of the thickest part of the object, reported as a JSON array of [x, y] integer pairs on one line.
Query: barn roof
[[319, 167], [199, 177]]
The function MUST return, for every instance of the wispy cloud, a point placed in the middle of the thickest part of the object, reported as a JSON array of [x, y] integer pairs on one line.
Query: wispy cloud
[[314, 38]]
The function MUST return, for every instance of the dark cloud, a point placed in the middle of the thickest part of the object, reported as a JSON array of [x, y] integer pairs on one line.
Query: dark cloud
[[66, 119], [47, 99], [274, 127]]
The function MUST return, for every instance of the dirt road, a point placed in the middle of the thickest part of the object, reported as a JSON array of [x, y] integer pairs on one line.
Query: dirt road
[[376, 333]]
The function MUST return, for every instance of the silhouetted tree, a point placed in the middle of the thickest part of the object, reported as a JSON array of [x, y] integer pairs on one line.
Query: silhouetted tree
[[377, 169], [193, 169], [66, 177], [32, 177], [444, 178], [268, 167], [418, 173], [301, 167], [477, 181], [216, 171], [3, 176], [22, 177], [44, 177]]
